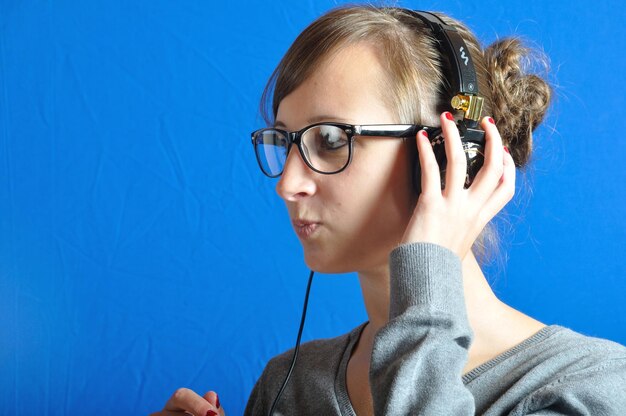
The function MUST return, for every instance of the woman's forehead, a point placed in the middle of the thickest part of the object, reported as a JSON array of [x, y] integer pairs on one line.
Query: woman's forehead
[[348, 84]]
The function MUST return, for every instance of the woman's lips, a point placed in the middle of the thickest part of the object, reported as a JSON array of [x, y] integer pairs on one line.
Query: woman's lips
[[305, 229]]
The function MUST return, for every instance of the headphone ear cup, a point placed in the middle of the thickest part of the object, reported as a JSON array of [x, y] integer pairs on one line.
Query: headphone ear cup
[[440, 156], [475, 156], [417, 175], [474, 148], [439, 149]]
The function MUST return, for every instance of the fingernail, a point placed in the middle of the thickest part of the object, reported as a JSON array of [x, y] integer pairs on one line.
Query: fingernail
[[211, 413], [449, 116], [489, 119], [506, 149], [423, 133], [217, 401]]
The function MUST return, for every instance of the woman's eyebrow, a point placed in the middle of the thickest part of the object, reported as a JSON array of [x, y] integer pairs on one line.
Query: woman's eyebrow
[[326, 118], [317, 119]]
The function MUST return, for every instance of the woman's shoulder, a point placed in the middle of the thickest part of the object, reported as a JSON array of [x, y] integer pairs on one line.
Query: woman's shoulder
[[566, 348], [554, 350], [555, 367], [555, 346], [586, 373]]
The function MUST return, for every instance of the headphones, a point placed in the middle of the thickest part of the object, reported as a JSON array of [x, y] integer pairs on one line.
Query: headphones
[[463, 80]]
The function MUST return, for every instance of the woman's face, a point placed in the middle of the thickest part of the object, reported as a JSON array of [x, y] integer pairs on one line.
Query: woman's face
[[363, 211]]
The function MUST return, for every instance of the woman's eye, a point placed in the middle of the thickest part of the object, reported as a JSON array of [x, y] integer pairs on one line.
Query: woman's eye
[[332, 138]]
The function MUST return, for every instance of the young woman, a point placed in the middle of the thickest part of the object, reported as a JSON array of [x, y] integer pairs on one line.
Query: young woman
[[437, 341]]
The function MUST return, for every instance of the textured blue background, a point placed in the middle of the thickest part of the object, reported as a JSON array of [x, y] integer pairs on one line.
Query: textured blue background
[[141, 249]]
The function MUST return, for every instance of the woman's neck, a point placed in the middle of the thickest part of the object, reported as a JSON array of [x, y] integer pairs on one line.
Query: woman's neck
[[496, 326], [375, 289]]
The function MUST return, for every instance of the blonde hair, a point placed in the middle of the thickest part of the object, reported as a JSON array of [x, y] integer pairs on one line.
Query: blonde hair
[[416, 82]]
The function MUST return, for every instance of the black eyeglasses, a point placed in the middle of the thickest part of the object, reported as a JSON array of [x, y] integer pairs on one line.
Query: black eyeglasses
[[325, 147]]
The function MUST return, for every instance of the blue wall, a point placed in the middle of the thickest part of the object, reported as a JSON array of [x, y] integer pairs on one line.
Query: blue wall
[[141, 249]]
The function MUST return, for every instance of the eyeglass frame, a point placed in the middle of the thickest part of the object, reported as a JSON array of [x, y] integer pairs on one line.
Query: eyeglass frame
[[351, 130]]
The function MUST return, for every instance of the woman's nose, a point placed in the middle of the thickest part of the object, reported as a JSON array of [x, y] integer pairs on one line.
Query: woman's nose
[[297, 179]]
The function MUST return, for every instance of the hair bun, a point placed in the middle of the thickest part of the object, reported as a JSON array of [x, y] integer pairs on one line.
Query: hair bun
[[520, 97]]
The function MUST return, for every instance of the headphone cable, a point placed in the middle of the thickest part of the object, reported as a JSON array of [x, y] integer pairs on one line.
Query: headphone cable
[[295, 352]]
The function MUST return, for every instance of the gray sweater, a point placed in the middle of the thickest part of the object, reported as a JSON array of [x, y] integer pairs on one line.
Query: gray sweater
[[418, 358]]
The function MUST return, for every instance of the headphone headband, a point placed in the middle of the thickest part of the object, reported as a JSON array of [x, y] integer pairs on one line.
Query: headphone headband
[[453, 46], [463, 79]]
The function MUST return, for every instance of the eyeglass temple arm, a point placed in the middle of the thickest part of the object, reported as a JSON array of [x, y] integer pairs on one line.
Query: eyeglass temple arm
[[391, 130], [410, 130]]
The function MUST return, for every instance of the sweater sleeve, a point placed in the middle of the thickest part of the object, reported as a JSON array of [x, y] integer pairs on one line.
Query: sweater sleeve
[[418, 356]]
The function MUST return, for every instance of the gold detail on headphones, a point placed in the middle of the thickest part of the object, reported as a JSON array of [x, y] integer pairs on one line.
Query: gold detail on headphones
[[471, 104]]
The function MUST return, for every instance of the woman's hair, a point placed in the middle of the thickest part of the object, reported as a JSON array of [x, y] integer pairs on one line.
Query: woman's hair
[[416, 85]]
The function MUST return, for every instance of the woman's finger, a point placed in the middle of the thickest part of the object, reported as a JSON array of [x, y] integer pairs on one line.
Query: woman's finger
[[186, 400], [456, 167], [213, 398], [490, 173], [430, 178], [504, 191]]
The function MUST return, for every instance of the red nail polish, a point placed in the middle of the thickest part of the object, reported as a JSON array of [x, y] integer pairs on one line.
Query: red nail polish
[[217, 401], [489, 119], [449, 116], [211, 413], [424, 134], [506, 149]]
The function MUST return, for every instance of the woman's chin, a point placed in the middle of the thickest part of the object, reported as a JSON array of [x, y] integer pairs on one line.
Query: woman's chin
[[326, 266]]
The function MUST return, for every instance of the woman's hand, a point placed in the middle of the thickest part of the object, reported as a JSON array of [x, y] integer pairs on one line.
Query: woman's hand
[[454, 217], [187, 402]]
